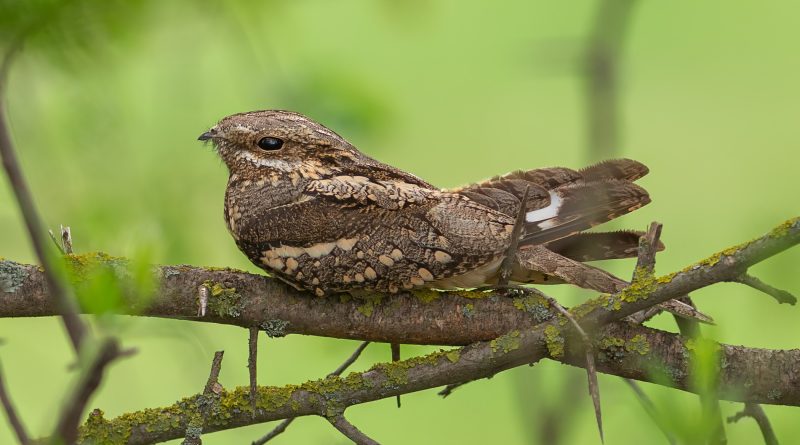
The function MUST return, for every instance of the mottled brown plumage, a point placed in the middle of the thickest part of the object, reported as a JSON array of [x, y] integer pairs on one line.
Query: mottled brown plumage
[[308, 207]]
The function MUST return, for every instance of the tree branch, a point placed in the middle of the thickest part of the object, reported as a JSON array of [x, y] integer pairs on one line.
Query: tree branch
[[626, 350]]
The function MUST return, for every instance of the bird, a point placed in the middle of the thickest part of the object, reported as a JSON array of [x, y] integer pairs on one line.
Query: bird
[[308, 207]]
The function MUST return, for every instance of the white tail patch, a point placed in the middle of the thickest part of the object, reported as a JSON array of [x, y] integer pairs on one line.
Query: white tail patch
[[545, 213]]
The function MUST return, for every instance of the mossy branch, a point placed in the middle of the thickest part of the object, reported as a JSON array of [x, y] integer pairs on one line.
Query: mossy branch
[[454, 318]]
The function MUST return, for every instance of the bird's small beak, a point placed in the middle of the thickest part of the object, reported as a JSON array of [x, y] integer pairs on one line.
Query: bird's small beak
[[206, 136]]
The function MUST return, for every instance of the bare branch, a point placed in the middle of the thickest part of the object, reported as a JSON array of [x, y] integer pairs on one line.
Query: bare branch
[[11, 414], [648, 247], [252, 363], [195, 427], [755, 411], [780, 295], [212, 384], [350, 431], [591, 370], [350, 360], [395, 347]]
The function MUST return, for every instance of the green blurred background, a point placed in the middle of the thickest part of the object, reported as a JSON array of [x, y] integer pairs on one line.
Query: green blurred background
[[452, 91]]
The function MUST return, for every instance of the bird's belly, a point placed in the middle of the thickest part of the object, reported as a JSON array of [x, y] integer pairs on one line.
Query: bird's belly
[[357, 263]]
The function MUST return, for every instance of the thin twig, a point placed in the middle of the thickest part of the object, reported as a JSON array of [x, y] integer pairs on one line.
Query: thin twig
[[56, 242], [350, 431], [755, 411], [506, 266], [67, 307], [338, 371], [648, 247], [645, 266], [650, 409], [252, 364], [591, 370], [67, 426], [778, 294], [195, 429], [212, 384], [395, 347], [11, 414], [350, 360]]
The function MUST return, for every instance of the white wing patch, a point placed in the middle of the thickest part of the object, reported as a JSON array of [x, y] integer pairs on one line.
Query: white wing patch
[[546, 213]]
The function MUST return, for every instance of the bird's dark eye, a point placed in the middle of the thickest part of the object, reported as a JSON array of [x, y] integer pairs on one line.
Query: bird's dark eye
[[269, 143]]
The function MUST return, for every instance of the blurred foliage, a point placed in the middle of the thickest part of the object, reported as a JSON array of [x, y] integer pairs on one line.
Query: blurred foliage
[[108, 97]]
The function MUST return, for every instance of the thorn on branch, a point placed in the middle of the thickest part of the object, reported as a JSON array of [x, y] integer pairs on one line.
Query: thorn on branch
[[591, 369], [252, 366], [55, 242], [755, 411], [336, 372], [396, 358], [350, 431], [11, 414], [781, 296]]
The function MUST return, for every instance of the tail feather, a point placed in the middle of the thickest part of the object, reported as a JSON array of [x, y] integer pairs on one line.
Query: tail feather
[[594, 246], [576, 208], [562, 201], [619, 169]]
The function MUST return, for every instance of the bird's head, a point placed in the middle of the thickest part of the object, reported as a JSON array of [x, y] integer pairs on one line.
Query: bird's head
[[278, 141]]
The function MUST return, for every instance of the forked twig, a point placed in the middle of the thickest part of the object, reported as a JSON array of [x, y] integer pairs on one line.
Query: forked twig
[[338, 371], [755, 411]]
